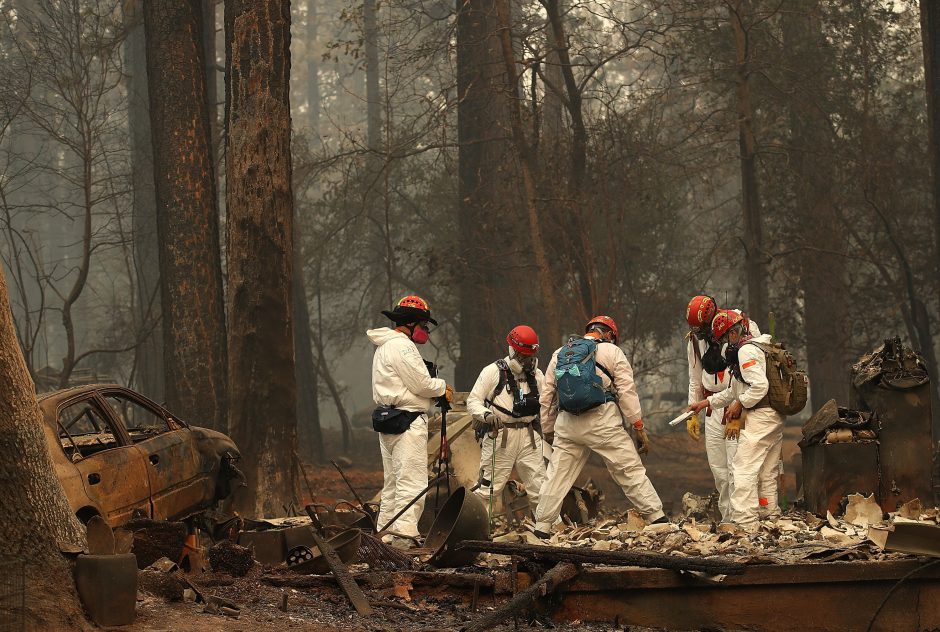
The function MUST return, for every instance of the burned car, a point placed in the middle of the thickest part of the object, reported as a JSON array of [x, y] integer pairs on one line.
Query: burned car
[[120, 455]]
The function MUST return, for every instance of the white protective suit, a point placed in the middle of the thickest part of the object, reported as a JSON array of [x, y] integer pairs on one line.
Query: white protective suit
[[600, 430], [720, 451], [518, 445], [400, 379], [758, 446]]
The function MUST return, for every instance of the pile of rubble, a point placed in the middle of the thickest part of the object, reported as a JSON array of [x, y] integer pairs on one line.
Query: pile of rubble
[[861, 532]]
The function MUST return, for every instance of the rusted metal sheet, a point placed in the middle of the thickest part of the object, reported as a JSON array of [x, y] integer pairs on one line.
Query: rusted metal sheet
[[832, 597], [832, 471]]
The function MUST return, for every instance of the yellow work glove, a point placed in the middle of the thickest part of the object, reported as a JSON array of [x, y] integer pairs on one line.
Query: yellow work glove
[[733, 428], [694, 427], [449, 393]]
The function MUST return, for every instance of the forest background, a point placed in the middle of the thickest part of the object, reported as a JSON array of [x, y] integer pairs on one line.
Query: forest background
[[512, 162]]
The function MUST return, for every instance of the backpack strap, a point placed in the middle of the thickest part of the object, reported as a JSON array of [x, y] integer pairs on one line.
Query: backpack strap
[[506, 380]]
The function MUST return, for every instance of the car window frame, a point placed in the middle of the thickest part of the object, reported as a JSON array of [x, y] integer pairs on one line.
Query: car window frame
[[172, 422], [121, 436]]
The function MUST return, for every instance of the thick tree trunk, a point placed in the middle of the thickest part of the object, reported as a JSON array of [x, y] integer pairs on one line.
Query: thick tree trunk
[[36, 522], [188, 223], [210, 59], [822, 265], [496, 274], [754, 257], [260, 233], [930, 34], [149, 354]]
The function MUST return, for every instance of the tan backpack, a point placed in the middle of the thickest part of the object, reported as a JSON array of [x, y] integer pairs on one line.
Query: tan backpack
[[788, 385]]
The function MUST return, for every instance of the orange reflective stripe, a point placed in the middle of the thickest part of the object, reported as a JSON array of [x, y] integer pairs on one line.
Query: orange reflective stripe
[[748, 364]]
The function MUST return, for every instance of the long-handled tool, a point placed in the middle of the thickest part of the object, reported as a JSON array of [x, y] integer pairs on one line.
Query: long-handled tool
[[443, 461]]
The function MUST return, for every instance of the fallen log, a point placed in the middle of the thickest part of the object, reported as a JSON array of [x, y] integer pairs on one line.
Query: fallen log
[[714, 566], [562, 572]]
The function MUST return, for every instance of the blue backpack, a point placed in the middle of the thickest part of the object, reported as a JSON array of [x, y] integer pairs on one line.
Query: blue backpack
[[579, 386]]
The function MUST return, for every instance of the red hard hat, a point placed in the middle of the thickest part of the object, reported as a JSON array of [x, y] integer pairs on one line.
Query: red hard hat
[[523, 339], [701, 311], [607, 321], [724, 320]]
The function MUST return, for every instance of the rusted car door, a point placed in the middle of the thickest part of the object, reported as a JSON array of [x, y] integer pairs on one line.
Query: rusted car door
[[173, 464], [112, 471]]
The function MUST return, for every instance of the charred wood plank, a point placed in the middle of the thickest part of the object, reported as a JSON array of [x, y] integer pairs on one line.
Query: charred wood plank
[[612, 558], [546, 584]]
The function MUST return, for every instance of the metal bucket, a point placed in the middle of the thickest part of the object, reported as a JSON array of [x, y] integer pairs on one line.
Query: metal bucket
[[462, 517], [346, 545]]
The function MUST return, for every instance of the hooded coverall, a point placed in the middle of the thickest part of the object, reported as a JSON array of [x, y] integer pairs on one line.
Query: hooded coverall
[[601, 430], [517, 443], [759, 444], [720, 451], [401, 380]]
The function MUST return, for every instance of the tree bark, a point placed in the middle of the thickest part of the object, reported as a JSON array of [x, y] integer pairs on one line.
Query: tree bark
[[188, 223], [263, 414], [930, 35], [754, 256], [496, 271], [822, 265], [149, 354], [36, 522]]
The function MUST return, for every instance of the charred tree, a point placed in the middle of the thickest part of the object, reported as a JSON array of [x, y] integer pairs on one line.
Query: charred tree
[[755, 260], [36, 523], [149, 370], [188, 223], [494, 232], [930, 35], [822, 264], [263, 413]]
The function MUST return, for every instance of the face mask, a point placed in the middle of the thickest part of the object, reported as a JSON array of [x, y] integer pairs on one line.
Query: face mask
[[419, 335], [520, 363]]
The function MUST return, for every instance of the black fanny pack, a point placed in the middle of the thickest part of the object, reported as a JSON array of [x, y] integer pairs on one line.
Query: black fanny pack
[[388, 420]]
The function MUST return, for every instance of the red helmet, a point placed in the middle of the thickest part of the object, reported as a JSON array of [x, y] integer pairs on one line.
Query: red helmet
[[701, 311], [724, 320], [410, 309], [607, 321], [523, 339]]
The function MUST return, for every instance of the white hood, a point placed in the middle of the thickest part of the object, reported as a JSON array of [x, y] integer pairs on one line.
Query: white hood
[[381, 335]]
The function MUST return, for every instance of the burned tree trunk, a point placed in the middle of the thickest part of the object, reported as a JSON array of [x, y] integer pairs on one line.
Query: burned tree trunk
[[822, 265], [259, 235], [930, 35], [149, 354], [754, 257], [188, 223], [36, 522], [493, 230]]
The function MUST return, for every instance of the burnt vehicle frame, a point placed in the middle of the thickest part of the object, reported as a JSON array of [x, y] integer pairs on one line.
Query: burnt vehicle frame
[[120, 455]]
